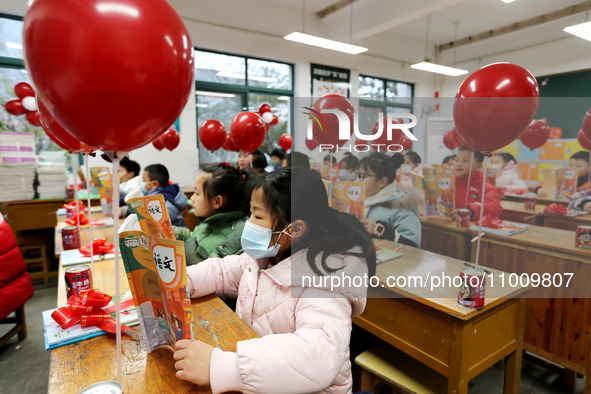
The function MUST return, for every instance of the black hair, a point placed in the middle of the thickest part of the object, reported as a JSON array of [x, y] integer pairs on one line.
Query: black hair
[[298, 159], [229, 182], [330, 158], [414, 157], [397, 159], [130, 166], [157, 172], [380, 164], [259, 163], [507, 157], [478, 156], [328, 230], [447, 159], [351, 161], [580, 155], [280, 153]]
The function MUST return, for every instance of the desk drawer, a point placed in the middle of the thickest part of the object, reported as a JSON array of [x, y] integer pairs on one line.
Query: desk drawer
[[33, 216]]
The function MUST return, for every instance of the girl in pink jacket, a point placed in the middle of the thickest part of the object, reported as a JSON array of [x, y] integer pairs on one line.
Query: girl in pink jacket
[[298, 284], [506, 176]]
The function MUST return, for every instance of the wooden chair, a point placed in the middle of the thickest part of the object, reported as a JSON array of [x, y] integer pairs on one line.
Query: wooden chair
[[384, 365], [20, 328], [35, 255]]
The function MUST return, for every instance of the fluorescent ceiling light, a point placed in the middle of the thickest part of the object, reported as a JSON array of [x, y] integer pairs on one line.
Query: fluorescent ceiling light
[[324, 43], [13, 45], [202, 105], [439, 69], [241, 76], [582, 30], [215, 94], [507, 1]]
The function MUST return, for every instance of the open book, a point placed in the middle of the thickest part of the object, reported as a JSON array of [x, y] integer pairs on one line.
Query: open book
[[157, 272]]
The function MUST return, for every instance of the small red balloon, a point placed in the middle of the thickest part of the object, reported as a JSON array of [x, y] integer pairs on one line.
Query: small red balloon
[[171, 139], [448, 141], [248, 131], [406, 143], [229, 144], [285, 142], [587, 124], [56, 132], [583, 141], [158, 144], [311, 144], [264, 108], [325, 127], [33, 118], [23, 89], [536, 134], [15, 107], [212, 134], [274, 121], [494, 105], [455, 137]]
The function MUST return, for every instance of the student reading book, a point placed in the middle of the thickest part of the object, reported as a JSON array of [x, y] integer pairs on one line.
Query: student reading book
[[155, 181], [221, 202], [305, 330]]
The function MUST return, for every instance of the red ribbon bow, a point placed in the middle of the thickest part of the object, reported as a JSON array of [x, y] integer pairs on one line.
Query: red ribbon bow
[[556, 209], [492, 222], [73, 221], [225, 164], [72, 204], [99, 246], [87, 309]]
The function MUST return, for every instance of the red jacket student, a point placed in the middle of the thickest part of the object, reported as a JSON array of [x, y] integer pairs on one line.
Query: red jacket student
[[492, 198]]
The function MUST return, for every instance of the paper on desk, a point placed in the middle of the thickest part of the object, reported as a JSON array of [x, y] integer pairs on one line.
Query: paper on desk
[[96, 223], [73, 257], [383, 255], [62, 211]]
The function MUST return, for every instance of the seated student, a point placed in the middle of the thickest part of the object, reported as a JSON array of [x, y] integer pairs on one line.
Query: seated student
[[492, 198], [296, 159], [581, 203], [256, 160], [578, 161], [448, 162], [304, 328], [347, 166], [277, 155], [329, 160], [412, 165], [221, 202], [506, 176], [130, 183], [155, 181], [390, 213]]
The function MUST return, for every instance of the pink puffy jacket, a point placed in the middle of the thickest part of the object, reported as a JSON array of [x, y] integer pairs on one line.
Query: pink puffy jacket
[[305, 331]]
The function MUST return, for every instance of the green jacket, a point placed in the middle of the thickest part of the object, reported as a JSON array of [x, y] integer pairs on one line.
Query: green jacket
[[216, 236]]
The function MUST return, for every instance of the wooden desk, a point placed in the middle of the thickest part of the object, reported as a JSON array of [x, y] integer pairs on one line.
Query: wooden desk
[[515, 211], [445, 237], [539, 200], [456, 341], [78, 365], [97, 232]]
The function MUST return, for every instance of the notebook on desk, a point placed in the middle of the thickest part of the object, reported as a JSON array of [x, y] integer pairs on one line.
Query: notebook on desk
[[74, 257], [383, 255], [509, 228]]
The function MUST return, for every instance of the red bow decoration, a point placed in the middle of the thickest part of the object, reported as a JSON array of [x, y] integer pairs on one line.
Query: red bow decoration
[[225, 164], [556, 209], [87, 309], [76, 219], [492, 222], [99, 246]]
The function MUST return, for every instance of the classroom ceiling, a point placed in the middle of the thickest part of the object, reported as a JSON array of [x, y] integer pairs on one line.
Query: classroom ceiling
[[397, 29]]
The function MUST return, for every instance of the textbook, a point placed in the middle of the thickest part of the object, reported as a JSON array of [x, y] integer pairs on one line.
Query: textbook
[[157, 272], [508, 229], [55, 336]]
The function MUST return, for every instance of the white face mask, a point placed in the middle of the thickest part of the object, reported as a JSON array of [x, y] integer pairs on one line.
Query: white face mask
[[496, 166], [256, 239], [405, 168]]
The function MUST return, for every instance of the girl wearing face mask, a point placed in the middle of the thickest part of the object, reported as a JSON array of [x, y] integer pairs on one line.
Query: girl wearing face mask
[[506, 176], [305, 329], [412, 165], [347, 167]]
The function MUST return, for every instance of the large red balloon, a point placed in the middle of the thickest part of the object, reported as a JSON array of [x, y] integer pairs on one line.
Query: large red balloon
[[494, 105], [536, 134], [327, 132], [285, 142], [116, 74], [56, 132], [248, 131], [170, 139], [23, 89], [448, 141], [311, 144], [33, 118], [583, 141], [212, 134], [158, 144], [15, 107], [229, 144], [397, 135], [587, 124]]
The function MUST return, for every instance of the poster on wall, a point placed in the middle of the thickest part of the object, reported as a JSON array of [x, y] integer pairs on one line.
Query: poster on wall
[[329, 80]]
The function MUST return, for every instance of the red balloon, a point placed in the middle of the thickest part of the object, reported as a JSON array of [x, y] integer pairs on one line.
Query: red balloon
[[33, 118], [285, 142], [274, 121], [56, 132], [587, 124], [327, 132], [536, 134], [264, 108], [212, 134], [406, 143], [455, 137], [583, 141], [494, 105], [158, 144], [229, 144], [397, 135], [311, 144], [15, 107], [118, 92], [170, 139], [23, 89], [248, 131], [448, 141]]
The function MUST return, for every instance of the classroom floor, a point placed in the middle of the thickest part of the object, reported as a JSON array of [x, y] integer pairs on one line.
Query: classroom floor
[[24, 365]]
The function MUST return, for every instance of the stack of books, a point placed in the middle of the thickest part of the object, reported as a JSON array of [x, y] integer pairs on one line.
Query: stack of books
[[17, 166], [52, 174]]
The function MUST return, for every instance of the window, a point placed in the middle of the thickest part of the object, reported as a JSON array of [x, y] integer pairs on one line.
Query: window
[[382, 95], [228, 84]]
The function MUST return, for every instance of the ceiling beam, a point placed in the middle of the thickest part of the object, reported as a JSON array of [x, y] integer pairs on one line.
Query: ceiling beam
[[334, 8], [524, 24]]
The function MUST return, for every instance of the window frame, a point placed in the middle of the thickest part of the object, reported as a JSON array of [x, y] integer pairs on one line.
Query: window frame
[[384, 103]]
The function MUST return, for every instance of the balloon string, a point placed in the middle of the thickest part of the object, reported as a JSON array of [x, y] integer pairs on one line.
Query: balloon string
[[89, 212], [469, 176], [481, 210], [73, 157], [529, 166]]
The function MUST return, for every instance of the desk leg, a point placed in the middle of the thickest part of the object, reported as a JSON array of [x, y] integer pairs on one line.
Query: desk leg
[[513, 360], [457, 379]]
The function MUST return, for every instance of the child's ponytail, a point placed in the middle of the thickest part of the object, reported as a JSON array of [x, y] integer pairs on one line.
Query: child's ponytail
[[230, 182]]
